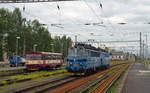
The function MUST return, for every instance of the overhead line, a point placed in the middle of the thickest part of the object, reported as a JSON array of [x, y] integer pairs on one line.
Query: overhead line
[[114, 41], [92, 10], [72, 22], [30, 1], [119, 41]]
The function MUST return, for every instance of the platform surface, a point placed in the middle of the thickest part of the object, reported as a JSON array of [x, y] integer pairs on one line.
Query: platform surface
[[12, 68], [138, 80]]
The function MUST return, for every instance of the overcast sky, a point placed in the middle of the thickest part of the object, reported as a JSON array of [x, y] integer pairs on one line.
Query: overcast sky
[[73, 15]]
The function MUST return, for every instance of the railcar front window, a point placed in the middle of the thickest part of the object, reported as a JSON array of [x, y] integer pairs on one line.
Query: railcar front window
[[29, 57], [52, 57], [37, 57]]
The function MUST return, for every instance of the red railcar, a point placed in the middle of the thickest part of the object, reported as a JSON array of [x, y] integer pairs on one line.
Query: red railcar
[[117, 59], [43, 60]]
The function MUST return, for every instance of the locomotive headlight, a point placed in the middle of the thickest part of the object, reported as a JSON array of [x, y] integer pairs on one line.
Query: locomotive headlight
[[80, 63]]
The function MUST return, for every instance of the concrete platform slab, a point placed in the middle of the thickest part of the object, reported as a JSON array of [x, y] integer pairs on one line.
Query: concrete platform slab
[[12, 68], [138, 80]]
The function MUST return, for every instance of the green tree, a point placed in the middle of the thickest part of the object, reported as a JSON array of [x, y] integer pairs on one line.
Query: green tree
[[30, 33]]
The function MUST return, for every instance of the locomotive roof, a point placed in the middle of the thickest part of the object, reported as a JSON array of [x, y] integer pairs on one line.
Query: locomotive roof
[[88, 46]]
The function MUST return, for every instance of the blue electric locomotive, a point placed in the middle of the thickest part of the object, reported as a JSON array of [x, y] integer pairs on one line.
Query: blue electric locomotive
[[83, 58]]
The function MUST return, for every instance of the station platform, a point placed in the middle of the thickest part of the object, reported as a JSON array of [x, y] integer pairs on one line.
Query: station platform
[[138, 80], [12, 68]]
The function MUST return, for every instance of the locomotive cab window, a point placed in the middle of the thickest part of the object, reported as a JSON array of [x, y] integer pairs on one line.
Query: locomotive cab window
[[75, 52]]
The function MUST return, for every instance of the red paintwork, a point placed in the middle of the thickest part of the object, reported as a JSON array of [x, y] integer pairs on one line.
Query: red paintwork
[[35, 67], [117, 59], [39, 66], [33, 53]]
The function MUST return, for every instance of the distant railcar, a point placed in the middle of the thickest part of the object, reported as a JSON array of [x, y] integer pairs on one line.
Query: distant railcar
[[118, 59], [85, 59], [43, 60]]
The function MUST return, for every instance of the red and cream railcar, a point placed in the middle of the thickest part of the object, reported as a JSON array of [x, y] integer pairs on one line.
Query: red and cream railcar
[[43, 60]]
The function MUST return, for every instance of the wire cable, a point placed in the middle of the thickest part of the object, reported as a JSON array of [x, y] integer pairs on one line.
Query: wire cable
[[92, 10]]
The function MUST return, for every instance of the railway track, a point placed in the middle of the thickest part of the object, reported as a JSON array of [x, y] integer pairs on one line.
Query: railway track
[[28, 76], [106, 83], [78, 83], [47, 86], [12, 68], [12, 72], [64, 84], [7, 78], [102, 87], [6, 72]]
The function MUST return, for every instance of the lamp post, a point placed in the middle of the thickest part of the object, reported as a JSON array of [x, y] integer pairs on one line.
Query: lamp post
[[146, 49], [24, 40], [4, 42], [34, 47], [17, 38]]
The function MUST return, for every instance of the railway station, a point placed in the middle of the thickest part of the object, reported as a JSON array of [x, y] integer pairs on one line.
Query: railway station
[[74, 46]]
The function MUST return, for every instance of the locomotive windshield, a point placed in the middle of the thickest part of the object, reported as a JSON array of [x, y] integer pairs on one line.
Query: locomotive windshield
[[75, 52]]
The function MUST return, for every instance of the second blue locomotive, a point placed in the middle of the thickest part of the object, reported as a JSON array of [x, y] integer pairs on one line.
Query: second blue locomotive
[[83, 58]]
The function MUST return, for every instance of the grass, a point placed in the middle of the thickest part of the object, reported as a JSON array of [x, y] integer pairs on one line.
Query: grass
[[51, 85], [11, 72], [113, 88], [115, 85], [119, 62], [113, 71], [38, 80], [35, 75], [146, 63], [107, 74]]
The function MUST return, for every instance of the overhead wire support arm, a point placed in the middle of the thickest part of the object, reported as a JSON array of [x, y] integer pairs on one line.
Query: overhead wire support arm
[[30, 1], [114, 41], [120, 41]]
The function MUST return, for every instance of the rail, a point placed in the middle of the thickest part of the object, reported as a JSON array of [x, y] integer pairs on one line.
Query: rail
[[80, 82], [105, 85], [54, 83]]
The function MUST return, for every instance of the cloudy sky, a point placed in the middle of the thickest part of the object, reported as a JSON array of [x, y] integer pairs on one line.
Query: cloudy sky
[[82, 18]]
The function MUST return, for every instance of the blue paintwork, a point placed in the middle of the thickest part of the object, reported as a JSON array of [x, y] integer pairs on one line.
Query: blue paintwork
[[77, 64], [14, 60]]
